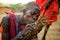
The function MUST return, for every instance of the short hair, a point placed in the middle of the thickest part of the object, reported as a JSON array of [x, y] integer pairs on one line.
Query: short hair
[[32, 6]]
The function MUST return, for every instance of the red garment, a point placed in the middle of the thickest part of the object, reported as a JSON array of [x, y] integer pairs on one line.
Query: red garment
[[52, 12], [12, 24], [1, 29], [22, 27]]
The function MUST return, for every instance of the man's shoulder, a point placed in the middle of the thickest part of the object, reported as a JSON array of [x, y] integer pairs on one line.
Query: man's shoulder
[[6, 16], [17, 16]]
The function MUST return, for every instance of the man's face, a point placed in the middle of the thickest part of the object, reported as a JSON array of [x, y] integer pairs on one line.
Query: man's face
[[30, 16]]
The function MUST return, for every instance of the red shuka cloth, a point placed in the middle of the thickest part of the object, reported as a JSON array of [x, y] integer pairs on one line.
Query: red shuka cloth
[[12, 24], [1, 29], [52, 12]]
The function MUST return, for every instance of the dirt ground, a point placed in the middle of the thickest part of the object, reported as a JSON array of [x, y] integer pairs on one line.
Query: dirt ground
[[53, 32]]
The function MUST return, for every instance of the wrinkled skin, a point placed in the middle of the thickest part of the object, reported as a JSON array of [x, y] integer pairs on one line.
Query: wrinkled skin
[[30, 15]]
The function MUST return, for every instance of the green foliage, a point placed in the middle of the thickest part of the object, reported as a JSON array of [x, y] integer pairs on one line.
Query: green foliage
[[17, 7], [1, 4]]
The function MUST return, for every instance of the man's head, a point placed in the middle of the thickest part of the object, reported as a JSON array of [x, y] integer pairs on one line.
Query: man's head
[[31, 12]]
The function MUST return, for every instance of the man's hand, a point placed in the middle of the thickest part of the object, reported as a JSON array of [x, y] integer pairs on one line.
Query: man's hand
[[26, 33], [29, 32]]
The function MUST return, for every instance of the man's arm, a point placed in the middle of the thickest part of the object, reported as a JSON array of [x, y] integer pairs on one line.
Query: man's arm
[[5, 25]]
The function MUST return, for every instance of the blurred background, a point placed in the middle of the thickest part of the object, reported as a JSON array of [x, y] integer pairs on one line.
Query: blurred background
[[13, 5]]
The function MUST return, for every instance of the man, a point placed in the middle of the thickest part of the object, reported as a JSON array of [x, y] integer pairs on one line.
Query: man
[[14, 24], [49, 10]]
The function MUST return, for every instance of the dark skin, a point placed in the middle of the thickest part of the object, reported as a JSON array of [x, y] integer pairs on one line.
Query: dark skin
[[29, 16], [47, 26]]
